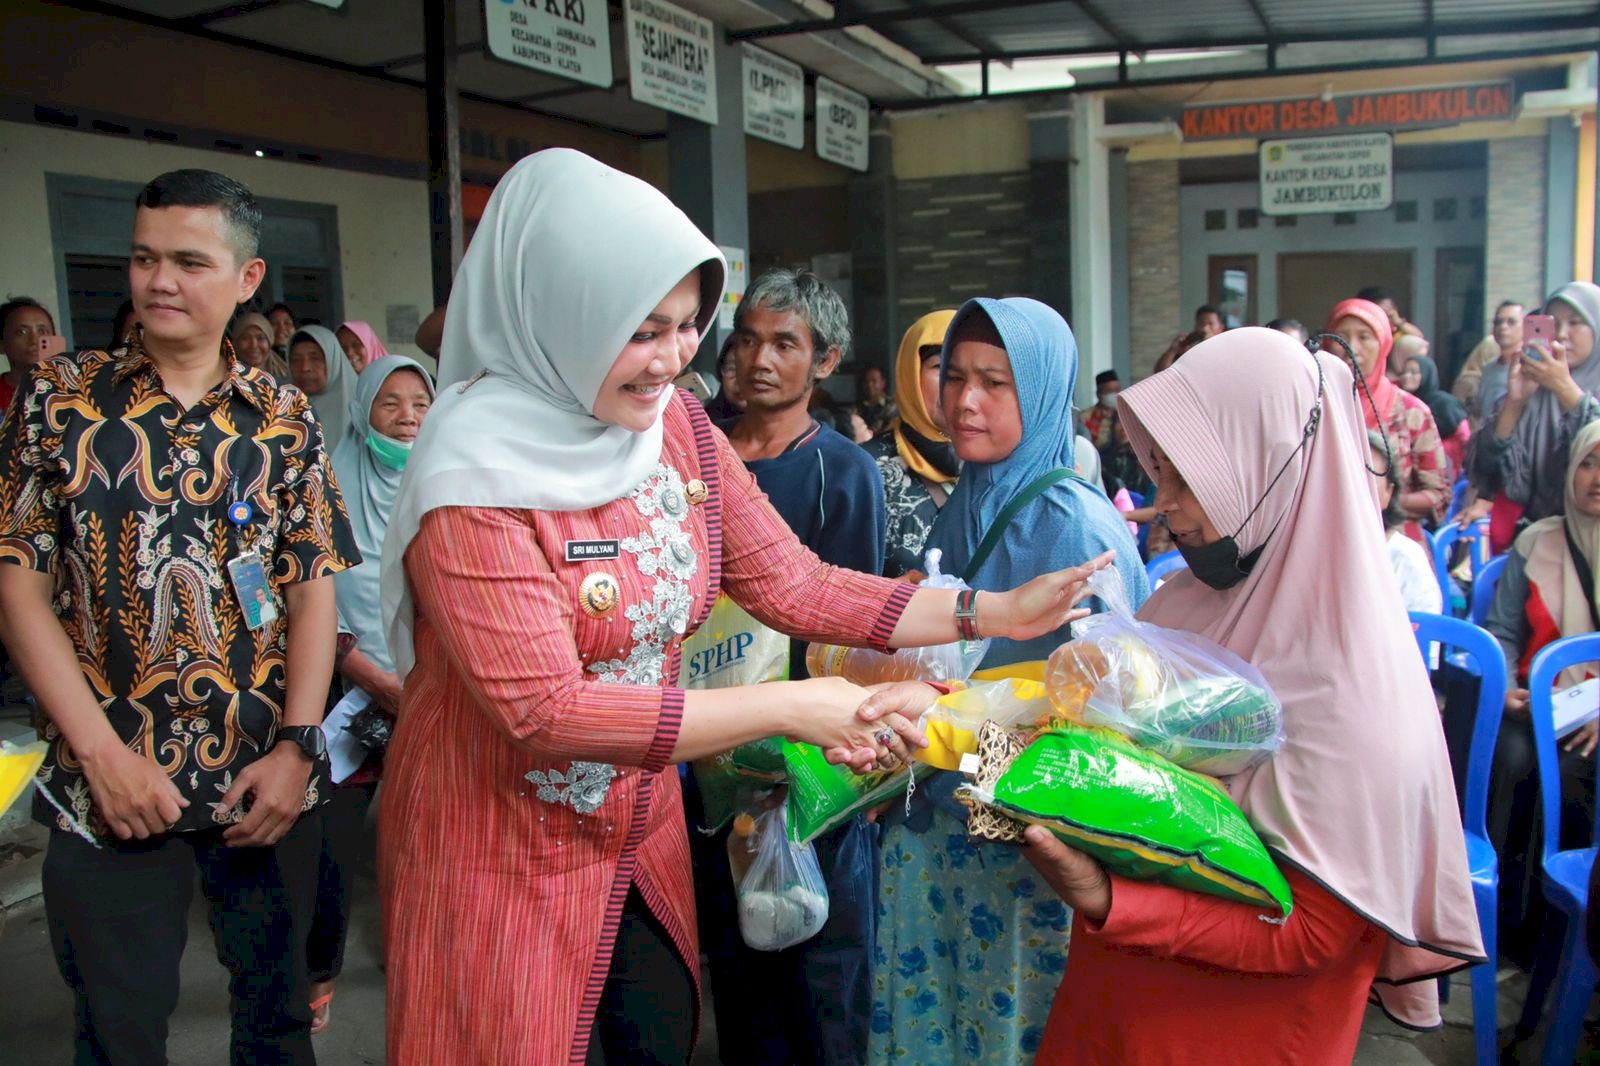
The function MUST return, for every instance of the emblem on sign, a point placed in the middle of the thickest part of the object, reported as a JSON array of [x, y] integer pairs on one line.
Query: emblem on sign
[[599, 594]]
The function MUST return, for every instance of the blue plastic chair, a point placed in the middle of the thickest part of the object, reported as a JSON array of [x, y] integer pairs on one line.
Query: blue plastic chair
[[1164, 566], [1566, 873], [1443, 545], [1483, 864], [1483, 589], [1484, 584], [1458, 499]]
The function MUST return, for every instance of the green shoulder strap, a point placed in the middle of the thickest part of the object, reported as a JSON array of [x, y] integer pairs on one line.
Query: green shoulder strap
[[991, 540]]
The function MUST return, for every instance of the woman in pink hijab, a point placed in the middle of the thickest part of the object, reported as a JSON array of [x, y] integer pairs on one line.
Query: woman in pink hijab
[[1260, 461], [360, 343], [1419, 453]]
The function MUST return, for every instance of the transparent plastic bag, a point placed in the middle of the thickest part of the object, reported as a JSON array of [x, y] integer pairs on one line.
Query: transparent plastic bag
[[939, 662], [952, 723], [783, 900], [1178, 694]]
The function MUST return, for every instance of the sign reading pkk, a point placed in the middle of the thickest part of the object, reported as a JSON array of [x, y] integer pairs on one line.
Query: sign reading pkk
[[1326, 174], [568, 38], [841, 125], [1399, 110], [670, 60], [774, 98]]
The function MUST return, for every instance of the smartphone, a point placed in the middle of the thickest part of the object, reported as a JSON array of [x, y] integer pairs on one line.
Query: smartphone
[[1537, 329], [51, 344]]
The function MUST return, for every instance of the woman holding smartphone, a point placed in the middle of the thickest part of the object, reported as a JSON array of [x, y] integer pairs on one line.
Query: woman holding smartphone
[[1551, 390]]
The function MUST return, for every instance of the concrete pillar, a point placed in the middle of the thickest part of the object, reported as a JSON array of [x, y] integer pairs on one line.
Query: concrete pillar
[[444, 147], [1121, 341], [1514, 254], [1049, 163], [875, 316], [1561, 202], [1090, 222], [1155, 295], [706, 173]]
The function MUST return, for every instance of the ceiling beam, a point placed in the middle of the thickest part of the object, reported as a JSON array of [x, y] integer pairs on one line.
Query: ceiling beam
[[462, 48], [878, 19], [222, 14], [981, 44], [1107, 27], [1237, 75], [1261, 17], [1404, 31]]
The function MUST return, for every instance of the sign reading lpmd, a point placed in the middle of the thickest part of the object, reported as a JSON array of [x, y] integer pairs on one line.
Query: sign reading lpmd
[[774, 98], [841, 125], [568, 38], [1325, 174], [670, 59]]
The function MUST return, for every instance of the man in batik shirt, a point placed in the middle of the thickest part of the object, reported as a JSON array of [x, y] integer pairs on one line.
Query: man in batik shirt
[[146, 497]]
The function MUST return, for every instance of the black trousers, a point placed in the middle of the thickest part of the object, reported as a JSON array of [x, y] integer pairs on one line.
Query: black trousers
[[118, 919], [647, 1009], [344, 837]]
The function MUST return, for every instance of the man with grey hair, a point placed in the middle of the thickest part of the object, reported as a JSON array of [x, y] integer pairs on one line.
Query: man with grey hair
[[813, 1002]]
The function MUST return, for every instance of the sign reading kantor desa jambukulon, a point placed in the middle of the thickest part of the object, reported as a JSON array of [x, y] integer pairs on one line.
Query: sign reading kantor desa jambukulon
[[1399, 109]]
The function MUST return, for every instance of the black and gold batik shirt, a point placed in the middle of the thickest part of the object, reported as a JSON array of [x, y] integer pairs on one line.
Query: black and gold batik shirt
[[108, 484]]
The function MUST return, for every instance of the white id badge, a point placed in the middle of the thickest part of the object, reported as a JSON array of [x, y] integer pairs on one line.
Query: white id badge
[[249, 579]]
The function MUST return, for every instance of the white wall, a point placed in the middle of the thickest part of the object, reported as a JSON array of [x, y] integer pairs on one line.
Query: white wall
[[383, 222], [1372, 231]]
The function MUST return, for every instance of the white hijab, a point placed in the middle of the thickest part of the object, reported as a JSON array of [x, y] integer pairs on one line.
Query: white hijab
[[570, 257]]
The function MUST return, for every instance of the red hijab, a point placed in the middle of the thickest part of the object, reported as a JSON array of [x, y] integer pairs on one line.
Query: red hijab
[[1383, 390]]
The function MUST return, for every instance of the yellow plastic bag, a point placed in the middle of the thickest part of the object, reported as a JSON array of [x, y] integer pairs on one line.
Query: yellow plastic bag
[[18, 764]]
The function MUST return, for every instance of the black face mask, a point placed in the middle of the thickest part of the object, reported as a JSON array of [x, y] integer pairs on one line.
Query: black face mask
[[1218, 564]]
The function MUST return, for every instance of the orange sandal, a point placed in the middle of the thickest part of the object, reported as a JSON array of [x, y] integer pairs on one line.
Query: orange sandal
[[321, 1013]]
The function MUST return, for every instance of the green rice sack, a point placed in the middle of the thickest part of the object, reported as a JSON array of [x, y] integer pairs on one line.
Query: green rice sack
[[730, 649], [822, 795], [1140, 815]]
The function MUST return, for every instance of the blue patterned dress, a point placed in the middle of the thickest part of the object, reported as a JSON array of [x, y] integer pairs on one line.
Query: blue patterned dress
[[972, 944]]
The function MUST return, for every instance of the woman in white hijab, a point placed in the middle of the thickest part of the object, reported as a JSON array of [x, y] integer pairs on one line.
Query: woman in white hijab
[[565, 519], [318, 367]]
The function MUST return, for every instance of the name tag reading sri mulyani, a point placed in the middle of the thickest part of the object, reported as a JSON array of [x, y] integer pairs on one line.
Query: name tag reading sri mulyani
[[584, 551]]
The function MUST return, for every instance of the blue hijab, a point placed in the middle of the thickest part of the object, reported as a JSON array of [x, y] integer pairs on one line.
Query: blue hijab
[[1073, 521]]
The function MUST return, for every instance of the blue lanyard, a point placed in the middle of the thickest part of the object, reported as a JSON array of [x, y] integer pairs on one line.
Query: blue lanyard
[[239, 510]]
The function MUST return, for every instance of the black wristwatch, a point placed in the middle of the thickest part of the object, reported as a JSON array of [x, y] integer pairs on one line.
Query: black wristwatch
[[308, 738]]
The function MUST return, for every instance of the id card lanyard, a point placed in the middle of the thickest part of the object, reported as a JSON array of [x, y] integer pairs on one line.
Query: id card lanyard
[[246, 569]]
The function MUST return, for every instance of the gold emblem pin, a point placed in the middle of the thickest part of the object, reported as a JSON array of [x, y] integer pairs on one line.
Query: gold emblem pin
[[599, 595], [697, 492]]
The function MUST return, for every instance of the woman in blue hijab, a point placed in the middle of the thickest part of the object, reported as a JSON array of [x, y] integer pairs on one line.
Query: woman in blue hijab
[[970, 942]]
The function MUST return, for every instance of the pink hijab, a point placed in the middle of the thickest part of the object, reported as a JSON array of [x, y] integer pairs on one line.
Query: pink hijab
[[1383, 390], [1361, 797], [369, 339]]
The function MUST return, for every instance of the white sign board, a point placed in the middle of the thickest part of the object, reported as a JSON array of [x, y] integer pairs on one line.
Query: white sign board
[[1318, 175], [670, 60], [774, 98], [738, 273], [841, 125], [567, 38]]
